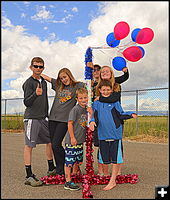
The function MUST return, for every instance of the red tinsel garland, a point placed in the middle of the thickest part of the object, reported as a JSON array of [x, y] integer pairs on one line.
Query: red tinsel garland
[[95, 179], [89, 178]]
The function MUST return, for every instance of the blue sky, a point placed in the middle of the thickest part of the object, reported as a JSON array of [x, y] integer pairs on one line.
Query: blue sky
[[66, 19], [57, 20], [61, 31]]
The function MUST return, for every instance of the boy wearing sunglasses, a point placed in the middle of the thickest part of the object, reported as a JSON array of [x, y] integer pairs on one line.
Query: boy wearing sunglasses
[[35, 120]]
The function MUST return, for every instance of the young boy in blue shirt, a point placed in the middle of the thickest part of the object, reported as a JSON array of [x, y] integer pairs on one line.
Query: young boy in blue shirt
[[109, 118]]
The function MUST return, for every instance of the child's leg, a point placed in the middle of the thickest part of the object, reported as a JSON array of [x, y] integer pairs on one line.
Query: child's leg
[[49, 151], [27, 155], [112, 182], [78, 159], [75, 168], [105, 169], [27, 160], [120, 170], [100, 168], [100, 165], [49, 154], [67, 171]]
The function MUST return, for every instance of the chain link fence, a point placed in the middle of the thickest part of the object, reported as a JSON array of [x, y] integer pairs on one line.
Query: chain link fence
[[151, 105]]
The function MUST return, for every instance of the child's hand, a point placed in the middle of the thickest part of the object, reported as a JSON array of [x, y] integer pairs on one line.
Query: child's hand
[[134, 115], [92, 125], [125, 69], [38, 90], [90, 64], [97, 98], [73, 141], [89, 110]]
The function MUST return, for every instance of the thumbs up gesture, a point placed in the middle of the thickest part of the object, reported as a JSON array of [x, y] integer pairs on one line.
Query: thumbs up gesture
[[38, 90]]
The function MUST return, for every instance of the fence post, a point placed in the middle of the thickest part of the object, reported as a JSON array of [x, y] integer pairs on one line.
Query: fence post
[[137, 112], [5, 115]]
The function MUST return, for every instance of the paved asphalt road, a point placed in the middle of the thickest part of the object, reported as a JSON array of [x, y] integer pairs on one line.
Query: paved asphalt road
[[149, 161]]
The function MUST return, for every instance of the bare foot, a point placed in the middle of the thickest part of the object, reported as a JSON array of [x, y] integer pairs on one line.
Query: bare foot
[[109, 186], [106, 174]]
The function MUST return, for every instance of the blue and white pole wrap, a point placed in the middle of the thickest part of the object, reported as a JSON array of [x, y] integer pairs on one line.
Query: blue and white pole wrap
[[88, 77]]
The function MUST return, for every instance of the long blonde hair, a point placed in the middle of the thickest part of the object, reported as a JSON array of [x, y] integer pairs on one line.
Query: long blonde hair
[[115, 86], [59, 83]]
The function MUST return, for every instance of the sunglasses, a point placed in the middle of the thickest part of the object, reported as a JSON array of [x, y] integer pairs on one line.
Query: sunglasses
[[96, 70], [38, 66]]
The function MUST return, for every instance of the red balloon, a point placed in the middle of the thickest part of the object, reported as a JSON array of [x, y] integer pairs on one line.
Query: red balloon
[[133, 53], [121, 30], [144, 36]]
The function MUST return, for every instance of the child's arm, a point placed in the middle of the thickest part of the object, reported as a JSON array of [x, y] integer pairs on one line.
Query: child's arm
[[71, 133], [90, 64], [92, 125], [124, 115], [47, 78], [50, 80], [30, 95], [90, 111], [124, 77], [134, 115]]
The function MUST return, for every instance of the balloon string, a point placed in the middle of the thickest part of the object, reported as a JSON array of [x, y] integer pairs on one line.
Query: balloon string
[[129, 43], [119, 49], [105, 54]]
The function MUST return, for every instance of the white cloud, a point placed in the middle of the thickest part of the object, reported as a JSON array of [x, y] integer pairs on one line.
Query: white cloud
[[42, 14], [67, 17], [27, 3], [6, 22], [64, 20], [146, 104], [23, 15], [45, 27], [10, 93], [79, 31], [52, 6], [155, 104], [151, 71], [74, 9], [52, 37]]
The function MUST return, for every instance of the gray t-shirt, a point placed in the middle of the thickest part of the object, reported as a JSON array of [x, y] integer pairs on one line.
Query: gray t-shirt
[[79, 116], [64, 101]]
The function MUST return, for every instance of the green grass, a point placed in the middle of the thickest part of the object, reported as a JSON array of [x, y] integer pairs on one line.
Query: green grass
[[14, 122], [147, 125]]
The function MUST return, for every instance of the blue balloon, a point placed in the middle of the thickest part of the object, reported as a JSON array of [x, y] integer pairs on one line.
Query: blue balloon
[[118, 63], [134, 34], [111, 40], [143, 51]]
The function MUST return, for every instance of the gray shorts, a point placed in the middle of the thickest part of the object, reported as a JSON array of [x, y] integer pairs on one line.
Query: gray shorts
[[36, 132]]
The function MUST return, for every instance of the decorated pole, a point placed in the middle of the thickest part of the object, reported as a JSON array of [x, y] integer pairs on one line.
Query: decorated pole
[[89, 134]]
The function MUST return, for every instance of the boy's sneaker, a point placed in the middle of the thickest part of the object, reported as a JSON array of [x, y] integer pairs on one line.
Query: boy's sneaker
[[71, 186], [33, 181], [52, 173]]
